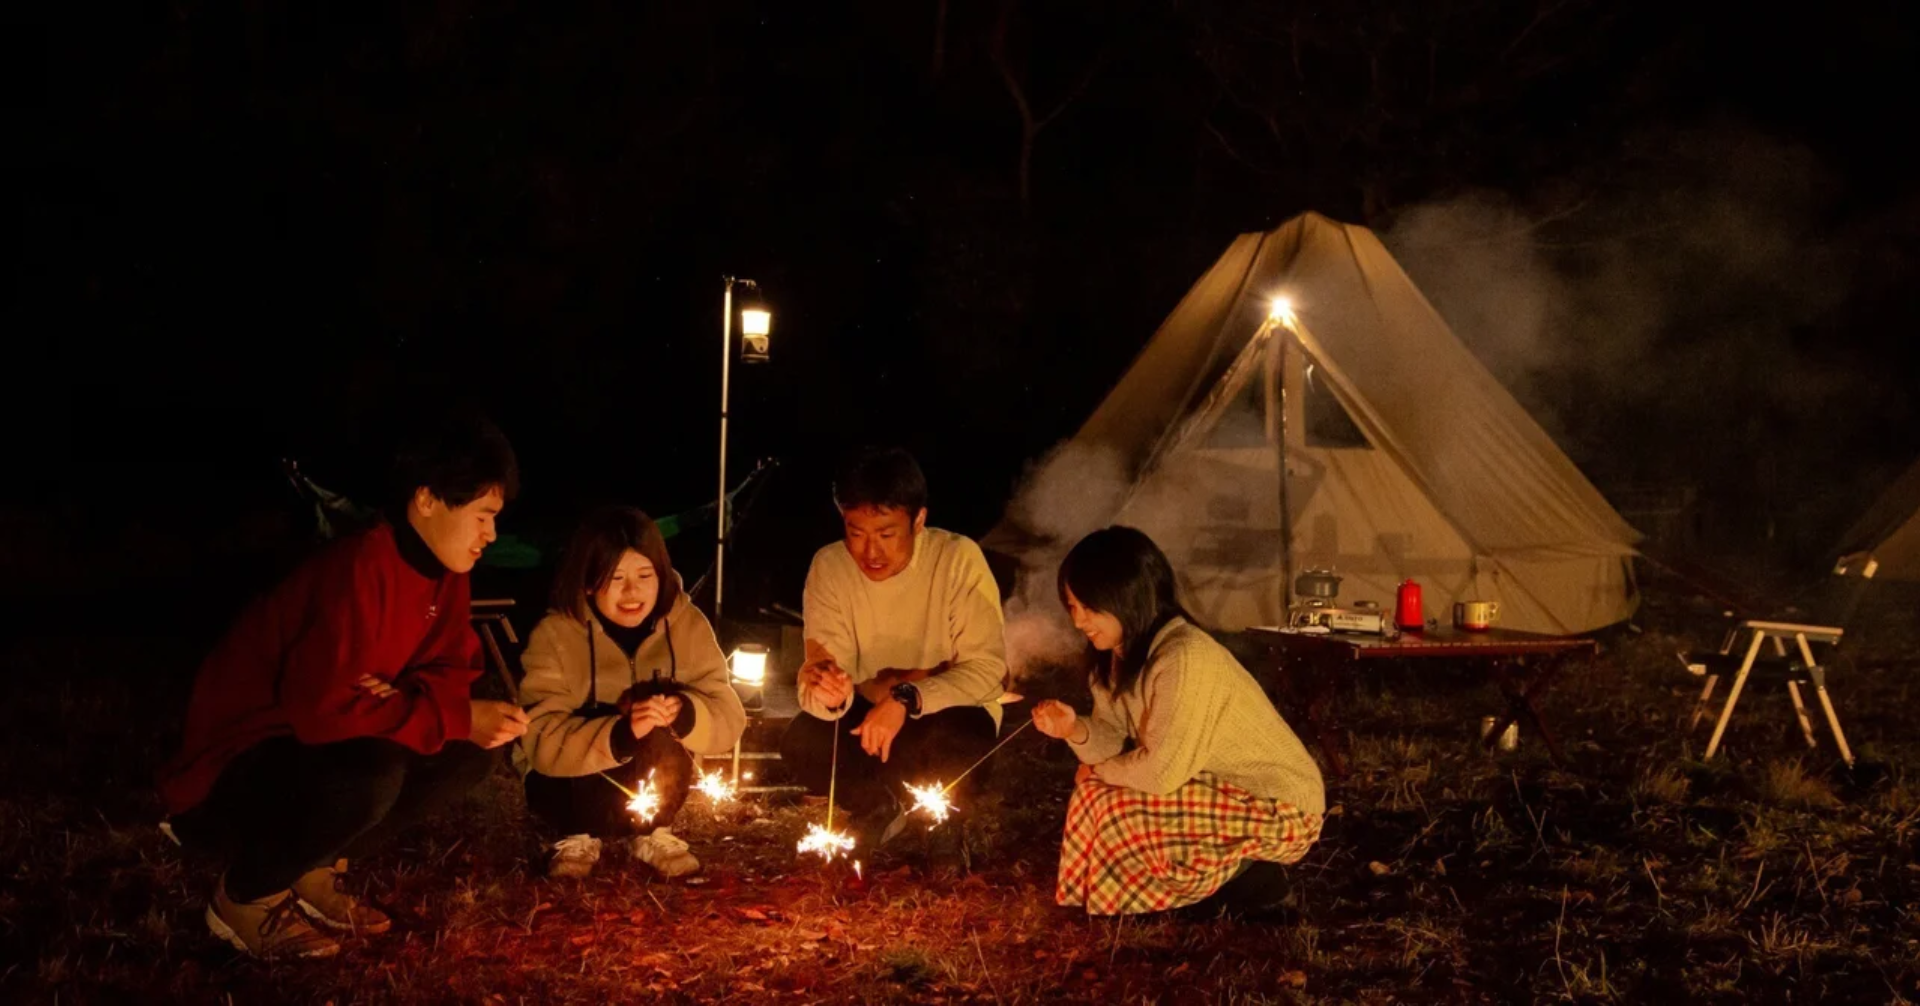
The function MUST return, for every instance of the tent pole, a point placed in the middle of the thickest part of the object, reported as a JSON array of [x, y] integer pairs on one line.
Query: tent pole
[[1277, 403]]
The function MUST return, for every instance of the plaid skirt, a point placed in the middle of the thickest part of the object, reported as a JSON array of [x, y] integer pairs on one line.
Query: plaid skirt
[[1128, 852]]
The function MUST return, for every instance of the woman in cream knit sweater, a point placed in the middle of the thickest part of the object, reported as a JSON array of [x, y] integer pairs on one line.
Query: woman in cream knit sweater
[[1191, 786]]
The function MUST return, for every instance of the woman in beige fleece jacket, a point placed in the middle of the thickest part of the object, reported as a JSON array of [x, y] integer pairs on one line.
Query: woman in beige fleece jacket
[[1191, 788], [623, 676]]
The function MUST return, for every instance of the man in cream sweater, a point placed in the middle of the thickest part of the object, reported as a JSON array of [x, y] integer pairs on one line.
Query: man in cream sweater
[[905, 640]]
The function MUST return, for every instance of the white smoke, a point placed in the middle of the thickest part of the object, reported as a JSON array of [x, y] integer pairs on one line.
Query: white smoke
[[1072, 491]]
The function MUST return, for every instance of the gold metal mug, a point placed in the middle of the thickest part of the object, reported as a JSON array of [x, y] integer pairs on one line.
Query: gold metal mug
[[1475, 616]]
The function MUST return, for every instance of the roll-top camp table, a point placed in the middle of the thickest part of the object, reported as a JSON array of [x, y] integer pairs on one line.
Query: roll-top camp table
[[1314, 667]]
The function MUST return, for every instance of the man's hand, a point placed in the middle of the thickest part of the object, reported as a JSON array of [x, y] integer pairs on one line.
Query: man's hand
[[828, 683], [659, 711], [881, 726], [495, 723], [1054, 718], [376, 687], [1082, 774]]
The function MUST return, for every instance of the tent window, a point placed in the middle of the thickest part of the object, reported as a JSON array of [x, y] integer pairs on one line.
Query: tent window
[[1328, 424], [1243, 423]]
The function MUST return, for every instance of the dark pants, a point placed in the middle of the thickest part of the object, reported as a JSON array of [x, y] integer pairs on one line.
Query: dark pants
[[282, 807], [589, 805], [933, 748]]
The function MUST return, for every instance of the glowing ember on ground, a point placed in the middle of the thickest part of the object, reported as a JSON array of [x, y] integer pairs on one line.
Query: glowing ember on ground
[[645, 801], [827, 843], [715, 786], [933, 800]]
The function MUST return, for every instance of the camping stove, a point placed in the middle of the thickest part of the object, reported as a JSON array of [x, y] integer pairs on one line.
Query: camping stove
[[1317, 588], [1369, 621], [1357, 619]]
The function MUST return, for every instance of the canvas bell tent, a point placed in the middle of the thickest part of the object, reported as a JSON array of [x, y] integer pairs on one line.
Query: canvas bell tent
[[1308, 346], [1888, 534]]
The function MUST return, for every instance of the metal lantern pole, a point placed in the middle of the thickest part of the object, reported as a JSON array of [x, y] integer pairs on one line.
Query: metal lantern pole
[[720, 505]]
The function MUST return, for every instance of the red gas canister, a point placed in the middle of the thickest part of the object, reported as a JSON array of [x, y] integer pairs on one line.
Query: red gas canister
[[1406, 610]]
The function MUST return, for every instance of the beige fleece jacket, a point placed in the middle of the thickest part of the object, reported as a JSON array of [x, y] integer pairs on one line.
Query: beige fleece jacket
[[560, 742], [943, 608], [1193, 710]]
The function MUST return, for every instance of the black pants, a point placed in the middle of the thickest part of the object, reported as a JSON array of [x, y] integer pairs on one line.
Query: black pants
[[933, 748], [282, 807], [588, 805]]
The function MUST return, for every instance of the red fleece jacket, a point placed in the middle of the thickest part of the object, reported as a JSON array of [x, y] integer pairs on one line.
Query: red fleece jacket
[[289, 665]]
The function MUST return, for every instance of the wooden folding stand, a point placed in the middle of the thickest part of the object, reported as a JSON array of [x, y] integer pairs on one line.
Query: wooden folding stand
[[1781, 664]]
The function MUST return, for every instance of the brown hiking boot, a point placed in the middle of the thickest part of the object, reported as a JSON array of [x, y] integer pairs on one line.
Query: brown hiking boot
[[323, 896], [270, 927]]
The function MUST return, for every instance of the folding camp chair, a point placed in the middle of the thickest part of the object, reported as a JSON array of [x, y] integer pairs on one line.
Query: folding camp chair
[[1793, 666], [491, 623]]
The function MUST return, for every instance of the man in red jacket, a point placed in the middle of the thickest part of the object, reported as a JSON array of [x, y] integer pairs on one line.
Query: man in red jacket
[[338, 707]]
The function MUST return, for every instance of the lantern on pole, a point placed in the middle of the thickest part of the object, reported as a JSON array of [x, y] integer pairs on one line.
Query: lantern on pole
[[756, 323]]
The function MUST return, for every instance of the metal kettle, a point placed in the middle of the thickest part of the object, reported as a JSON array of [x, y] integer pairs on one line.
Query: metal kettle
[[1317, 583]]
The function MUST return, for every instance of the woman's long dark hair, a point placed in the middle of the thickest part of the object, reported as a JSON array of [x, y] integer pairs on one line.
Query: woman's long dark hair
[[590, 558], [1120, 571]]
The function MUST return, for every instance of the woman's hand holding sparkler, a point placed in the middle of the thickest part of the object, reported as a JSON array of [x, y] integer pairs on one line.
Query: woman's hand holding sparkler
[[1054, 718], [658, 711], [495, 723]]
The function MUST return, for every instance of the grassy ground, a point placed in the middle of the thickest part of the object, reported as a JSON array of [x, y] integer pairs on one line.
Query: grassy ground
[[1636, 872]]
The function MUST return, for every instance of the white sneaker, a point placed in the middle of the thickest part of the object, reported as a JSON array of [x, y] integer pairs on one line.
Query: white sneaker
[[574, 856], [665, 852]]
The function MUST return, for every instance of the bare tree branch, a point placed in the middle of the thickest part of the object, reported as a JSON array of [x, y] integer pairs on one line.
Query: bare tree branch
[[1539, 18], [1030, 124]]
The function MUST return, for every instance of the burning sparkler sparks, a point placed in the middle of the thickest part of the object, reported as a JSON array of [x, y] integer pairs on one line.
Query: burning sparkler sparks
[[932, 798], [827, 843], [715, 786], [824, 840], [645, 801]]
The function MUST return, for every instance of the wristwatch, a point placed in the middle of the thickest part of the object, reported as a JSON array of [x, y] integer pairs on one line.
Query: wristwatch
[[907, 695]]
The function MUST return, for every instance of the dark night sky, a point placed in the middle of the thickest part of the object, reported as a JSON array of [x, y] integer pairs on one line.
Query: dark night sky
[[249, 233]]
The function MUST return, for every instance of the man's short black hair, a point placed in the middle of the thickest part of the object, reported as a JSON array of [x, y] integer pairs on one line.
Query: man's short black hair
[[880, 477], [458, 456]]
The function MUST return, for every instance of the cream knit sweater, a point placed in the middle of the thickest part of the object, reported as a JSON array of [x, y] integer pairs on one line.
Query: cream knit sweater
[[1193, 710], [943, 608]]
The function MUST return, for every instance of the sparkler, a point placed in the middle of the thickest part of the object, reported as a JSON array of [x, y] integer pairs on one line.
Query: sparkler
[[825, 841], [932, 798], [644, 802], [715, 786], [984, 757]]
